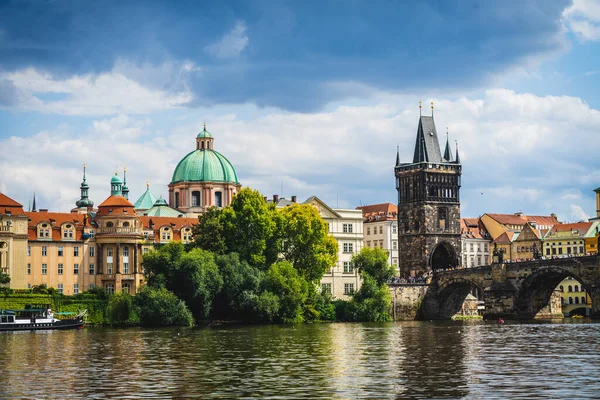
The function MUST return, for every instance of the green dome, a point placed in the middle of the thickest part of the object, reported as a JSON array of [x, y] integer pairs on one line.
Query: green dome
[[116, 179], [160, 202], [204, 166], [146, 200], [204, 134]]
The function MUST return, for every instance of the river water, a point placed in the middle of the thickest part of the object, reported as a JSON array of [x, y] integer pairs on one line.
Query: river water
[[331, 361]]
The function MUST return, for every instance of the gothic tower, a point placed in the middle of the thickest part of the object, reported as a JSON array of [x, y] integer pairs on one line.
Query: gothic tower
[[428, 205]]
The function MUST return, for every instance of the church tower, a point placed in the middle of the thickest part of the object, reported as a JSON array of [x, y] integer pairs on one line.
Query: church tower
[[428, 204]]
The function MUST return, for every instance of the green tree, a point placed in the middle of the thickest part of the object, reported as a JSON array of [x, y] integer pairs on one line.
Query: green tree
[[241, 285], [305, 241], [374, 263], [4, 279], [209, 233], [161, 307], [120, 308], [373, 301], [193, 276], [248, 224], [291, 289]]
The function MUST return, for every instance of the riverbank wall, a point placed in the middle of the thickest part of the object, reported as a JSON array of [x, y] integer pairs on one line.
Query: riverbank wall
[[407, 300]]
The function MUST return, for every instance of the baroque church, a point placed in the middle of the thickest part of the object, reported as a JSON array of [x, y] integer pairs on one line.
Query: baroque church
[[428, 188], [103, 246]]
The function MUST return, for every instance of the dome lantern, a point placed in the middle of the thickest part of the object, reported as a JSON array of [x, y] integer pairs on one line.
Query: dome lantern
[[205, 140]]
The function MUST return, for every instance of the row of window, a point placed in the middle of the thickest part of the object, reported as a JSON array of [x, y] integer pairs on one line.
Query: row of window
[[570, 250], [109, 287], [348, 288], [479, 247], [583, 301], [570, 288], [61, 251]]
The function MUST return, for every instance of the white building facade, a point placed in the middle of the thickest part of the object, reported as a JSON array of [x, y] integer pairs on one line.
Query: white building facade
[[380, 223], [475, 246], [346, 226]]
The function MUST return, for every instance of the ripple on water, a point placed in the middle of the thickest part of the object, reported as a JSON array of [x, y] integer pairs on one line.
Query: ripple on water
[[340, 361]]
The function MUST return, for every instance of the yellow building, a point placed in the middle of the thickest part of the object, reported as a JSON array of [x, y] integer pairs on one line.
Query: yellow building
[[13, 241], [575, 299], [568, 240]]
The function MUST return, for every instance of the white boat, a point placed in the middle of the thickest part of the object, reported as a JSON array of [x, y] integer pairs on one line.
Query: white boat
[[33, 319]]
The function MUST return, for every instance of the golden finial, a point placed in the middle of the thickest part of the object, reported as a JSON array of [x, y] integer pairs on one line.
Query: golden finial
[[83, 165], [124, 168], [446, 131], [432, 106], [420, 105], [147, 184], [204, 125], [116, 170]]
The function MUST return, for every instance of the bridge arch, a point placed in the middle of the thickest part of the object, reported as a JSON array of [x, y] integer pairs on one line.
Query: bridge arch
[[452, 294], [536, 289], [443, 256]]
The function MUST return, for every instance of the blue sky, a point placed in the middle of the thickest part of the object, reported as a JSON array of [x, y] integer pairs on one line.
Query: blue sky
[[310, 96]]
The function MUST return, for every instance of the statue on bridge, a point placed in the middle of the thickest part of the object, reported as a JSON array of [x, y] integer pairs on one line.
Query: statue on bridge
[[497, 255], [536, 252]]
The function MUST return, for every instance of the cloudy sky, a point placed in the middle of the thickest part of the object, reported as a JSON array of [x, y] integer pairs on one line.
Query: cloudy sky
[[304, 98]]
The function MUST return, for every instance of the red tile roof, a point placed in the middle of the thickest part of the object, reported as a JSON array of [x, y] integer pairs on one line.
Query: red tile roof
[[55, 220], [378, 212], [9, 206], [116, 205], [505, 238], [469, 228], [582, 227], [515, 219]]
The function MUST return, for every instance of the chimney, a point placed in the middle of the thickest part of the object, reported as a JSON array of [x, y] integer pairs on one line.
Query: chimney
[[553, 215], [43, 210], [275, 198], [519, 213], [293, 199]]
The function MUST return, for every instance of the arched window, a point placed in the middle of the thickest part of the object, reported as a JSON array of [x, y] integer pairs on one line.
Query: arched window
[[110, 288], [195, 198], [125, 224], [570, 289], [109, 224], [562, 289], [570, 300], [583, 301], [576, 300], [576, 288]]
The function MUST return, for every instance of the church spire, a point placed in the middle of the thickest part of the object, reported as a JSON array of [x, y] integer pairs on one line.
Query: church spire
[[457, 156], [33, 208], [397, 156], [125, 189], [447, 151], [84, 201]]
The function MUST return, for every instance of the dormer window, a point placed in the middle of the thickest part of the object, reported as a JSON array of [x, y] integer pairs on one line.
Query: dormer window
[[166, 234], [44, 231], [68, 231]]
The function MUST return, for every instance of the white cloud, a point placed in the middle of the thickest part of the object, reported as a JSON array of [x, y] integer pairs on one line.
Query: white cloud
[[127, 88], [583, 18], [231, 45], [519, 152]]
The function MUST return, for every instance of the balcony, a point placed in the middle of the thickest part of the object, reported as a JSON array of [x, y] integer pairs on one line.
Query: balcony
[[128, 277], [118, 231], [6, 228]]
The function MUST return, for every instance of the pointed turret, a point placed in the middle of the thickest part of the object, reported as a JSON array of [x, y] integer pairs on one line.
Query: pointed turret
[[146, 200], [457, 156], [397, 156], [427, 146], [447, 151], [125, 189], [84, 201], [33, 209]]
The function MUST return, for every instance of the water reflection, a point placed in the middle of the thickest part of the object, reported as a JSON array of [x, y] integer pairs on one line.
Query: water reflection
[[340, 361]]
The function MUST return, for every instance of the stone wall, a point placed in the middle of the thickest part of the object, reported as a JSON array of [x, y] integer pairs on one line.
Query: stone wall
[[406, 301]]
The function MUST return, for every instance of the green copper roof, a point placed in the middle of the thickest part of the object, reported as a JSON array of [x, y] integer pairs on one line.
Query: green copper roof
[[161, 209], [116, 179], [204, 166], [146, 201], [204, 134]]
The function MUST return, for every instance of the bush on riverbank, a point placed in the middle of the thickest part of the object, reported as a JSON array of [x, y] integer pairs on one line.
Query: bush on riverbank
[[159, 307]]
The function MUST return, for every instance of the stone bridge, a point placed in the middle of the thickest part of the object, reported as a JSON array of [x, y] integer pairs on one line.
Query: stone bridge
[[509, 290]]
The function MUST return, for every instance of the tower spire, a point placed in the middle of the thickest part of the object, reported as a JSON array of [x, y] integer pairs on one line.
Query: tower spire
[[33, 208], [84, 201], [397, 156], [420, 107], [447, 151], [432, 108], [125, 189], [457, 156]]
